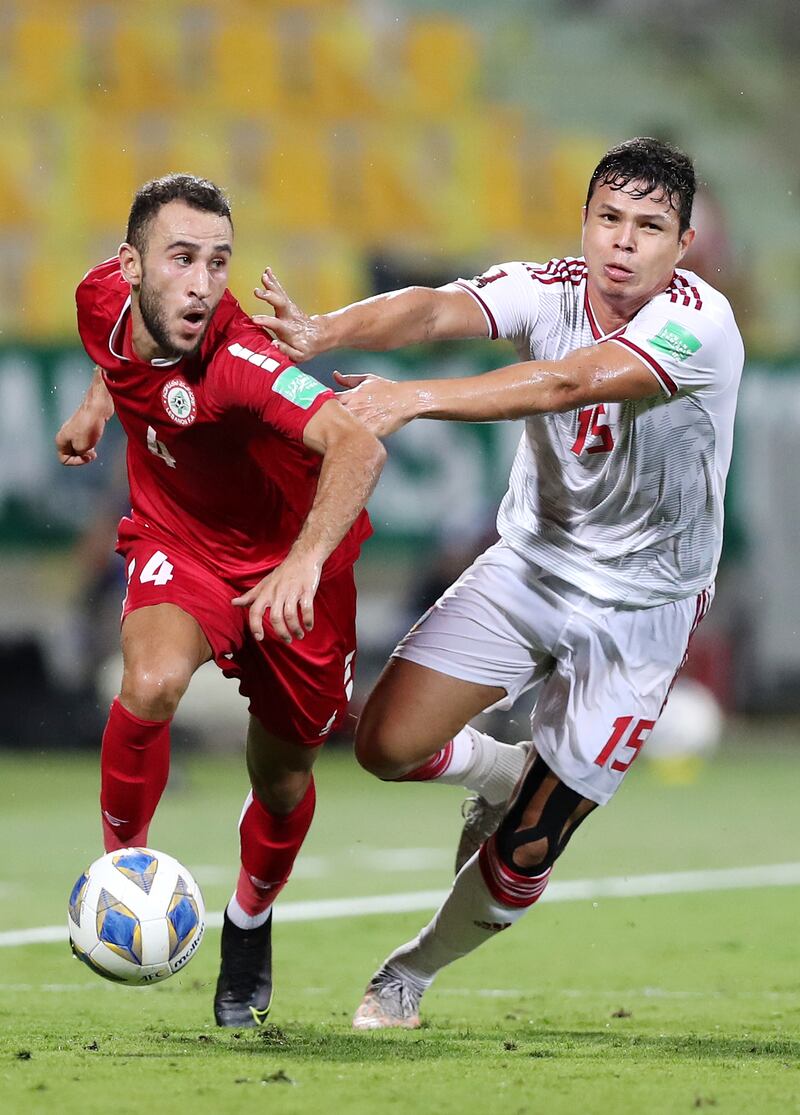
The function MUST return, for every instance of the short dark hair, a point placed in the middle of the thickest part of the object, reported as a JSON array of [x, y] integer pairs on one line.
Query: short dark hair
[[654, 165], [199, 193]]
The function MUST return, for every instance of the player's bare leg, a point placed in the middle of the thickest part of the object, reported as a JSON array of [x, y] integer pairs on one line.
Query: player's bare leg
[[413, 729], [276, 816], [162, 646], [491, 892]]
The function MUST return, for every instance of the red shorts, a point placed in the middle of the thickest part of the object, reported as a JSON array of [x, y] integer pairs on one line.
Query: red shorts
[[299, 691]]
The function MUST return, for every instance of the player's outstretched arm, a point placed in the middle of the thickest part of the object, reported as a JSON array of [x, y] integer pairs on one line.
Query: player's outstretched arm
[[402, 317], [77, 438], [600, 374], [352, 462]]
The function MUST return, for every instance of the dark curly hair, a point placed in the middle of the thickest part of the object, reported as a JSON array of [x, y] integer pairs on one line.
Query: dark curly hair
[[651, 165], [199, 193]]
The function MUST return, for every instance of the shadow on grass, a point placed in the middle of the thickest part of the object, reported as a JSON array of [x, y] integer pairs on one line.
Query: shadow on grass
[[333, 1043]]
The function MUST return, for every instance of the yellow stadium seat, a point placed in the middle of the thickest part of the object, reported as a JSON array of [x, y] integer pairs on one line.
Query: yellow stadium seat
[[141, 56], [391, 207], [339, 276], [17, 207], [341, 78], [245, 67], [46, 301], [106, 171], [571, 161], [442, 65], [44, 56], [297, 175], [504, 193]]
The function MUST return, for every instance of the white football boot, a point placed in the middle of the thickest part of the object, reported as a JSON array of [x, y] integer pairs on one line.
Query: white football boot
[[390, 1000]]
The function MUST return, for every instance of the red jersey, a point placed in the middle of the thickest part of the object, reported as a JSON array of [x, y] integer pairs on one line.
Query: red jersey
[[216, 458]]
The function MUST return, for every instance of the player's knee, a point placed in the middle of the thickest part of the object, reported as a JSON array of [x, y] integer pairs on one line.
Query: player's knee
[[379, 747], [280, 793], [529, 851], [153, 690], [374, 754]]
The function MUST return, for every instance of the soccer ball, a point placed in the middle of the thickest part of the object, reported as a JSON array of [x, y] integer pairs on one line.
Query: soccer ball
[[136, 916]]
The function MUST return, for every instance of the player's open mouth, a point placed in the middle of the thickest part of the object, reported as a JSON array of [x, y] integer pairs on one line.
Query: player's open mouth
[[194, 320]]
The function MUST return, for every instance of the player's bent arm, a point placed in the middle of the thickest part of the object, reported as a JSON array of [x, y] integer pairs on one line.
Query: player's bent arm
[[599, 374], [78, 436], [352, 462], [98, 398], [387, 321]]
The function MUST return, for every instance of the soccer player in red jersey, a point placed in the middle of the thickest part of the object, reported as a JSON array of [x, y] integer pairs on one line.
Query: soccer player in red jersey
[[248, 482]]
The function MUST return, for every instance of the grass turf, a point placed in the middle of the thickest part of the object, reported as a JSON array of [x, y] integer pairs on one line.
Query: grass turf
[[660, 1004]]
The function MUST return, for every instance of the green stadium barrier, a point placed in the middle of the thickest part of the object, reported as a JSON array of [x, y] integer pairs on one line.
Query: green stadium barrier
[[440, 477]]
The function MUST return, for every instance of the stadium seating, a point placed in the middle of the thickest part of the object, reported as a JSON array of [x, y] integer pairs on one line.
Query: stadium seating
[[334, 129]]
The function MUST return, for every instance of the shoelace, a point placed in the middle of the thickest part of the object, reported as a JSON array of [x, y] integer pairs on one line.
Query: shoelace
[[472, 806], [241, 973], [393, 989]]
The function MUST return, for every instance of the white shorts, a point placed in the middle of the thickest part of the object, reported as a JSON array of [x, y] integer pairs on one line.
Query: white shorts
[[600, 673]]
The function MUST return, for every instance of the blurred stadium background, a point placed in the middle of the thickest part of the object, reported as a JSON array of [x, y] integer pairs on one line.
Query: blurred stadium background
[[367, 145]]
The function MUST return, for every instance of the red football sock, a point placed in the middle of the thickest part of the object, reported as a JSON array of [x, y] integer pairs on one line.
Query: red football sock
[[508, 887], [134, 765], [269, 846], [432, 768]]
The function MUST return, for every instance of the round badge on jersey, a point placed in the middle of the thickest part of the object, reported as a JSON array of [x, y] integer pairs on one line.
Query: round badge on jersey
[[179, 403]]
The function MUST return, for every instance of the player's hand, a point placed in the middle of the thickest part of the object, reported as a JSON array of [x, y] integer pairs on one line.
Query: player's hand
[[77, 438], [288, 593], [381, 404], [296, 334]]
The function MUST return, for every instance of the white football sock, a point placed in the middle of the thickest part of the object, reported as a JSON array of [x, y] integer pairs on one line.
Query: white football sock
[[484, 765], [467, 917], [246, 921]]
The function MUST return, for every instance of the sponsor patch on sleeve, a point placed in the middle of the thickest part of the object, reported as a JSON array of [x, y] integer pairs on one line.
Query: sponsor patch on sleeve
[[675, 341], [297, 387]]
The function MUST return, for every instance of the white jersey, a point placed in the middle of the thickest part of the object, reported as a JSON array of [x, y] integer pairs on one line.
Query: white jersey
[[622, 500]]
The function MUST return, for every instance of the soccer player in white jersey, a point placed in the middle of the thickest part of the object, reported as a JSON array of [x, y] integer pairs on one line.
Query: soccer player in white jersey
[[610, 534]]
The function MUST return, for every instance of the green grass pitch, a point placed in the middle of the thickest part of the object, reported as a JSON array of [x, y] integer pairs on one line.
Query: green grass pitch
[[665, 1003]]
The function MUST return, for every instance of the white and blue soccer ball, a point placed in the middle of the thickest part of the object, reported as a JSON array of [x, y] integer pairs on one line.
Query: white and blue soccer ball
[[136, 916]]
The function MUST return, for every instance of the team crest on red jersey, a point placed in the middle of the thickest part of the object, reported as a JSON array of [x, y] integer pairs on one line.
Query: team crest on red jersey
[[178, 400]]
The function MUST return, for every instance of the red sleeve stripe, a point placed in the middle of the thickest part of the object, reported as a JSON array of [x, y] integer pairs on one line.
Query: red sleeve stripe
[[701, 606], [666, 380], [681, 284], [557, 266], [597, 332], [681, 288], [698, 302], [560, 271], [493, 331], [575, 279]]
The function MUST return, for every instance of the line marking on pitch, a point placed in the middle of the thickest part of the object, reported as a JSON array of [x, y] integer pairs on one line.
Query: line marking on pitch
[[575, 890]]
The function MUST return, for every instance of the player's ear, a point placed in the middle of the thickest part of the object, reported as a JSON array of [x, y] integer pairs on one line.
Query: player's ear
[[685, 242], [130, 264]]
